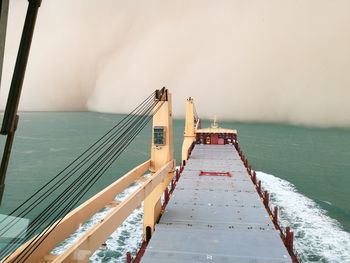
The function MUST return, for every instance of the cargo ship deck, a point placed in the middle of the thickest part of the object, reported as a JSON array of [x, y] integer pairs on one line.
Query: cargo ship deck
[[213, 217], [213, 209]]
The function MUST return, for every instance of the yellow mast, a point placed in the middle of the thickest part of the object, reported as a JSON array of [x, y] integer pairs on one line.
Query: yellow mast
[[161, 154], [190, 129]]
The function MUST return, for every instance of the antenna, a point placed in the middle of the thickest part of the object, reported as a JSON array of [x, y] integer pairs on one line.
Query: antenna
[[214, 124]]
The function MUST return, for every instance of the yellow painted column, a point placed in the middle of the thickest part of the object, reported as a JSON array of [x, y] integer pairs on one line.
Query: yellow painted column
[[189, 133], [161, 154]]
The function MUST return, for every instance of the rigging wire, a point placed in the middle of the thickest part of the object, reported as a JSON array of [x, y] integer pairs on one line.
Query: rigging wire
[[100, 166], [33, 229], [135, 111], [55, 202], [83, 191], [61, 180], [74, 186]]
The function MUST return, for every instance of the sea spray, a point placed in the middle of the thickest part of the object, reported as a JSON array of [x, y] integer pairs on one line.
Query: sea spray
[[318, 238]]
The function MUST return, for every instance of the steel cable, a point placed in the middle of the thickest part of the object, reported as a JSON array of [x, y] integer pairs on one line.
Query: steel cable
[[56, 187], [26, 253], [60, 199], [121, 148], [57, 176]]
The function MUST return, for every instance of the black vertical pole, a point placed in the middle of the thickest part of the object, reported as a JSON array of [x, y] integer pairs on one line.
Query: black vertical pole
[[20, 67], [10, 117], [4, 6]]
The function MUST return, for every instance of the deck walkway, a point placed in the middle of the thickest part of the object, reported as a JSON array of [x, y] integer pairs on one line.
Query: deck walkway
[[215, 218]]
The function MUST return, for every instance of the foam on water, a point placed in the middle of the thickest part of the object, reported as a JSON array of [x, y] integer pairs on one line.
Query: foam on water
[[318, 238], [127, 237]]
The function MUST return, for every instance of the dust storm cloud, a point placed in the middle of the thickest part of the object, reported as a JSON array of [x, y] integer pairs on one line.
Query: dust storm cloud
[[273, 61]]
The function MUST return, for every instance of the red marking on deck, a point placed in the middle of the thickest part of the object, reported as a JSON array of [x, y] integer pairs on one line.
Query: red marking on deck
[[204, 173]]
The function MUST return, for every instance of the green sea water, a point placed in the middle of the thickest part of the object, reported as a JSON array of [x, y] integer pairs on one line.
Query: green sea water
[[315, 160]]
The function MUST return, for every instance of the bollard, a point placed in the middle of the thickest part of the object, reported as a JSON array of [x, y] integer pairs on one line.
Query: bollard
[[177, 175], [128, 257], [259, 187]]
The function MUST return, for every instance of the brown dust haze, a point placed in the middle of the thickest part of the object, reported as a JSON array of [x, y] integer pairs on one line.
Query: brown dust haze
[[245, 60]]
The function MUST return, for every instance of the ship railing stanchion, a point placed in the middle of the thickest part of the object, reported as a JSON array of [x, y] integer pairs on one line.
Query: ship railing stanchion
[[177, 175], [172, 185], [289, 238], [275, 215], [166, 197], [254, 177], [128, 257], [266, 199]]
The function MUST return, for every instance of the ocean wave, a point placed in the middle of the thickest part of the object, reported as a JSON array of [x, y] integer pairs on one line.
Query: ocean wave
[[57, 149], [29, 138], [105, 118], [25, 152], [318, 238]]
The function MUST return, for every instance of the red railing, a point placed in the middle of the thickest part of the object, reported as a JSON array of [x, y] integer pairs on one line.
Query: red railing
[[287, 236]]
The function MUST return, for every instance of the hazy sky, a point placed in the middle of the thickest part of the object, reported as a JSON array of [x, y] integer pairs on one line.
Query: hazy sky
[[272, 60]]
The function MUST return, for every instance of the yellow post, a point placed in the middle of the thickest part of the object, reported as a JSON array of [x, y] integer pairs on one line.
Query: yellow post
[[161, 154], [189, 133]]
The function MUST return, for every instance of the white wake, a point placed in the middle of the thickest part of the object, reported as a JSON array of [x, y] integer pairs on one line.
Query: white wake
[[318, 238]]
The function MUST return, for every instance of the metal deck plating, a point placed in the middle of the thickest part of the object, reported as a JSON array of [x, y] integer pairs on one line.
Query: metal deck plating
[[215, 218]]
